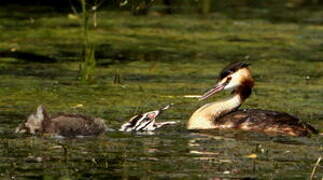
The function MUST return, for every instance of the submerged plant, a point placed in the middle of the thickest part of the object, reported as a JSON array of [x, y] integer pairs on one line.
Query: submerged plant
[[117, 78], [87, 66]]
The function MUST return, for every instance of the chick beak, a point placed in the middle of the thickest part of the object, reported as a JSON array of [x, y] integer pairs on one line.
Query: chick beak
[[212, 91]]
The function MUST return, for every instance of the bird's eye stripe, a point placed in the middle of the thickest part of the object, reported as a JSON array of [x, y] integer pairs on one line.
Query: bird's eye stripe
[[228, 80]]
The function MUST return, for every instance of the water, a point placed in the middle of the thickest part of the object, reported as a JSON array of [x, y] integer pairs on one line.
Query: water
[[158, 61], [171, 153]]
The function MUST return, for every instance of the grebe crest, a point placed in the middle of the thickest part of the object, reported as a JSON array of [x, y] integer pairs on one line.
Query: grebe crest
[[236, 77]]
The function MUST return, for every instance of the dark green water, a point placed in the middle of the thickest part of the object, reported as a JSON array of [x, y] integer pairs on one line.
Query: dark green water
[[169, 153], [159, 60]]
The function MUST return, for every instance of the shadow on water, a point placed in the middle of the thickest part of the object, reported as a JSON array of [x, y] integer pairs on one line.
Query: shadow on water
[[42, 70], [107, 55], [27, 56], [33, 64]]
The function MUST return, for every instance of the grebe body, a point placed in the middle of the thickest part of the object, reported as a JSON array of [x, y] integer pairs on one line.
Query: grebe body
[[66, 125], [269, 122], [225, 114]]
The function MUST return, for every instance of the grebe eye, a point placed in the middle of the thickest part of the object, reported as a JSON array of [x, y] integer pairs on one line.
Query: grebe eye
[[228, 80]]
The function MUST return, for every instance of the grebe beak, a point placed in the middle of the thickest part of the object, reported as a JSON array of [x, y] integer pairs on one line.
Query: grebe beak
[[166, 107], [152, 115], [212, 91]]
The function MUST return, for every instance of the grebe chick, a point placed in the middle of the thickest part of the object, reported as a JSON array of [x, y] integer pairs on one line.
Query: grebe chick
[[145, 121], [67, 125], [225, 114]]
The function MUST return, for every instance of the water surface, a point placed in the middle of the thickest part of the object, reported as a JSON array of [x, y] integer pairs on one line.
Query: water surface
[[158, 61]]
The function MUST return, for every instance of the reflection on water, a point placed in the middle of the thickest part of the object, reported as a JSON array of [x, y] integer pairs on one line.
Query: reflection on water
[[169, 153]]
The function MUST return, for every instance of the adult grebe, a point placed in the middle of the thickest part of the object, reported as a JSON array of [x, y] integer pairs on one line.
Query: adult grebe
[[224, 114], [67, 125]]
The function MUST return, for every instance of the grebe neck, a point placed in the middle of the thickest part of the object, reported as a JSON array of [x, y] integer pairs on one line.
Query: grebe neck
[[205, 116], [217, 108]]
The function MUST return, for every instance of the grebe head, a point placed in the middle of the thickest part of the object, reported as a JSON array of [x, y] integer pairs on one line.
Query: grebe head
[[34, 122], [144, 121], [232, 77]]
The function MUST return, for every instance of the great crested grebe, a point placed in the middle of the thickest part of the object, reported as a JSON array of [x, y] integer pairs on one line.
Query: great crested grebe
[[67, 125], [225, 114], [145, 121]]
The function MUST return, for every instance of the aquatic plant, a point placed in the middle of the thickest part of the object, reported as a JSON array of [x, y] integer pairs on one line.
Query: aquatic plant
[[87, 66]]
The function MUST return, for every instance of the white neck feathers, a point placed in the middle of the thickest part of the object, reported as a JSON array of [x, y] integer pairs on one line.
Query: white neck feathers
[[204, 117], [227, 104]]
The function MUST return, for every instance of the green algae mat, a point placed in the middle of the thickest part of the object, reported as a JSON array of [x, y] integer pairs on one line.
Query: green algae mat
[[145, 63]]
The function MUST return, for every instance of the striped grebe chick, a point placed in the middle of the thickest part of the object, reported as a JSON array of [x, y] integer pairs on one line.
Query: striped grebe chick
[[145, 121], [66, 125], [224, 114]]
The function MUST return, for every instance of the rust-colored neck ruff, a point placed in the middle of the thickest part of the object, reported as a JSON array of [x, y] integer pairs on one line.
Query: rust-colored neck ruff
[[244, 90]]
